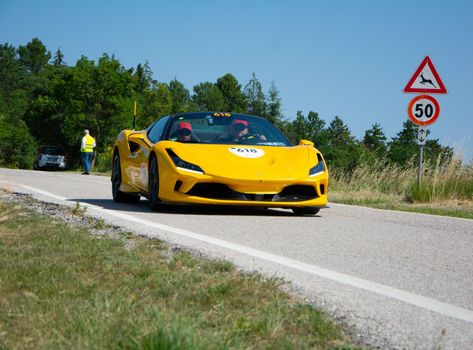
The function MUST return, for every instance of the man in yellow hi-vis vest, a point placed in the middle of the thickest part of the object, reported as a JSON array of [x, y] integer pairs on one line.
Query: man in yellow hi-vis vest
[[86, 151]]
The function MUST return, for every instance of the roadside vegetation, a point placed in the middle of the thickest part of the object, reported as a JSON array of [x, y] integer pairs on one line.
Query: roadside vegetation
[[46, 100], [447, 187], [62, 287]]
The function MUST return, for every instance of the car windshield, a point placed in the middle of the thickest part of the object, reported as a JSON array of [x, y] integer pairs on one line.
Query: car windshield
[[224, 128], [55, 151]]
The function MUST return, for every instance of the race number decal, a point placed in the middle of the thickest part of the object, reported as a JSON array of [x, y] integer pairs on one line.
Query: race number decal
[[247, 152]]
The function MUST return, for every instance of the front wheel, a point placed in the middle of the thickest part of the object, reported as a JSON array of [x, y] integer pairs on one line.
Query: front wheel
[[305, 210], [119, 196], [153, 184]]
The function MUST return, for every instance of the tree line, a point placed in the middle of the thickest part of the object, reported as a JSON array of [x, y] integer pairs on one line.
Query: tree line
[[43, 100]]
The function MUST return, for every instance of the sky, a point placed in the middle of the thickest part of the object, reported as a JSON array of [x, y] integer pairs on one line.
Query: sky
[[350, 59]]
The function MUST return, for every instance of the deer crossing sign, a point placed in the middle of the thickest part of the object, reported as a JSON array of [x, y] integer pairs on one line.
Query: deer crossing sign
[[426, 80]]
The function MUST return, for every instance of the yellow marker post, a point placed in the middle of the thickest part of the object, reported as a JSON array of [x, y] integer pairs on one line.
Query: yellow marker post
[[134, 112]]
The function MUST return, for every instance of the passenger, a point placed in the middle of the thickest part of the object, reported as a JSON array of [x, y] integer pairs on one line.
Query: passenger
[[184, 132]]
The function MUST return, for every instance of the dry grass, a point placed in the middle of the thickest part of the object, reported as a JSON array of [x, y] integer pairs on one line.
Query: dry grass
[[447, 187]]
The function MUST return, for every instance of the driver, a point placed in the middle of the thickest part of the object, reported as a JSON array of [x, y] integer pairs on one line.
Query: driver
[[239, 132], [239, 129]]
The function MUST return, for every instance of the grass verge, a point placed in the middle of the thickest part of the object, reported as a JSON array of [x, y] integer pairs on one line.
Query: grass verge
[[447, 188], [452, 208], [64, 288]]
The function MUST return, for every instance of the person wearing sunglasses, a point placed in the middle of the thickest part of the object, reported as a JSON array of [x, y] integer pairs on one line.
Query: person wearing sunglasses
[[239, 133], [184, 133]]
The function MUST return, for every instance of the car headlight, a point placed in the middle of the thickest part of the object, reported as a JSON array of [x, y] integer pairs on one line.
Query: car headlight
[[184, 165], [319, 168]]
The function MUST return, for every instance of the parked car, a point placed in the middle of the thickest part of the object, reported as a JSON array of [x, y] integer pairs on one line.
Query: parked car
[[50, 157], [218, 158]]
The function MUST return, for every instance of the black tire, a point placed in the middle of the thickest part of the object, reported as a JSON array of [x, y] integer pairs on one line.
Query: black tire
[[305, 210], [153, 184], [119, 196]]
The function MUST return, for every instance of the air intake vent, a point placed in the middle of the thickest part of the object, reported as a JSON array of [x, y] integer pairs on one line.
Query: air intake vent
[[294, 193]]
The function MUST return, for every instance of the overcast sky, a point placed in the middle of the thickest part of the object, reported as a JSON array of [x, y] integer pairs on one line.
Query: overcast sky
[[339, 58]]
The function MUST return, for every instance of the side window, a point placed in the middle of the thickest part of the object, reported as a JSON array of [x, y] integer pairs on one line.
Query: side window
[[156, 132]]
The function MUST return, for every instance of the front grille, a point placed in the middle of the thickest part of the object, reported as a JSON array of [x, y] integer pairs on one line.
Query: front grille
[[298, 193], [212, 190], [293, 193]]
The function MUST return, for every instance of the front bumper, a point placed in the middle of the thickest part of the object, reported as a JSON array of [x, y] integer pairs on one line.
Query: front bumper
[[183, 187]]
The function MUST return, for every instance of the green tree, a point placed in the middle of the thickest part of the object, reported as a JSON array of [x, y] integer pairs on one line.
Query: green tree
[[234, 100], [180, 97], [34, 56], [343, 151], [403, 148], [143, 77], [310, 128], [434, 152], [318, 134], [17, 146], [59, 58], [46, 109], [298, 128], [97, 97], [255, 98], [375, 140], [274, 106], [208, 97], [12, 74], [156, 102]]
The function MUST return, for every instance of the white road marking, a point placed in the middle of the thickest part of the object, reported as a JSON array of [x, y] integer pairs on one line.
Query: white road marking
[[394, 211], [394, 293], [80, 177]]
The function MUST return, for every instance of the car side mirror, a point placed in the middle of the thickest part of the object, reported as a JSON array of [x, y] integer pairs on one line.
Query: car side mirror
[[306, 143]]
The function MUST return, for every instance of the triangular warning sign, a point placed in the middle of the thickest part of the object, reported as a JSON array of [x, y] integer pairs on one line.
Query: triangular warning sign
[[426, 80]]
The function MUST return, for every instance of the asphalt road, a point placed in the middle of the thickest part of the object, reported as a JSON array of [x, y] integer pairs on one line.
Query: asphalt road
[[397, 280]]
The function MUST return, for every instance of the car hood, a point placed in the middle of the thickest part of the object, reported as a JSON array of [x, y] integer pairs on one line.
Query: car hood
[[247, 161]]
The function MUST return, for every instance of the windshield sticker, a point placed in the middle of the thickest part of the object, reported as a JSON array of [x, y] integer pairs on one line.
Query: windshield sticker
[[272, 144], [246, 152]]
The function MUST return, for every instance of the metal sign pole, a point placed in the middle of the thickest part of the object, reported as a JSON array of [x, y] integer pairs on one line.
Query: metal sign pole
[[419, 173]]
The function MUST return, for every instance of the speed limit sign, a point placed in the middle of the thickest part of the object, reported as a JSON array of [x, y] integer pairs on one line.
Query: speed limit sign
[[423, 110]]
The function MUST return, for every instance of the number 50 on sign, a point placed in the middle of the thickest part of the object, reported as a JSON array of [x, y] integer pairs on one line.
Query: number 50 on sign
[[423, 110]]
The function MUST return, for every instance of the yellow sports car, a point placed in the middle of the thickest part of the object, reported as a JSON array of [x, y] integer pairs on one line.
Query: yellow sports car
[[218, 158]]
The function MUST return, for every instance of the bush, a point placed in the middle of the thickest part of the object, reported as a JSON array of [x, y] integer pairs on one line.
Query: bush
[[17, 146], [103, 162]]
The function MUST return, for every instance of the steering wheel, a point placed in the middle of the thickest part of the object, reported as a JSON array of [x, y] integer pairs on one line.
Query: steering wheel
[[249, 138]]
